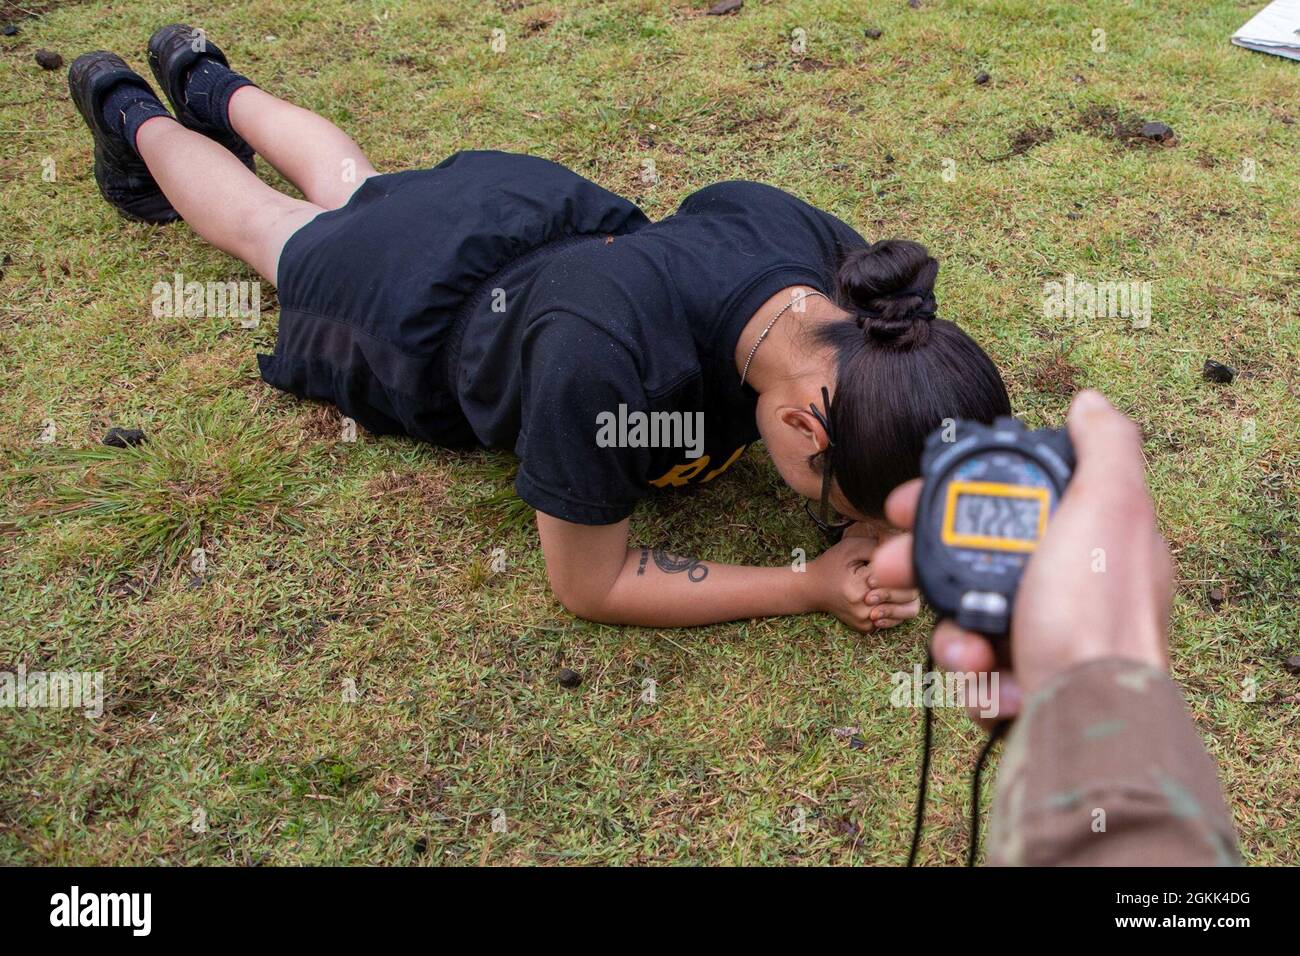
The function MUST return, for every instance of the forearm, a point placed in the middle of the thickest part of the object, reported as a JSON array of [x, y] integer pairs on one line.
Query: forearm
[[1104, 767], [655, 588]]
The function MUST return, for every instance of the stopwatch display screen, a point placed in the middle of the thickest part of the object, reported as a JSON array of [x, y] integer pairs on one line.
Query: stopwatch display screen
[[997, 516], [994, 515]]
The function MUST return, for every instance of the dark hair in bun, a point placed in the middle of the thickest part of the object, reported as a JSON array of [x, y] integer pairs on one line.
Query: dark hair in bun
[[900, 371], [890, 287]]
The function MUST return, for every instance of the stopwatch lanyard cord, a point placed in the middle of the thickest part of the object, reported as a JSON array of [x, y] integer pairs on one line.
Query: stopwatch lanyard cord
[[918, 823], [928, 719], [995, 735]]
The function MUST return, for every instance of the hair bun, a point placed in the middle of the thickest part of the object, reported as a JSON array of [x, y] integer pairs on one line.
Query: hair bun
[[890, 287]]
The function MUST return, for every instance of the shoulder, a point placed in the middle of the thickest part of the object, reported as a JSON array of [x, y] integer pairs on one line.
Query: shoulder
[[741, 199], [618, 283], [738, 192], [750, 197]]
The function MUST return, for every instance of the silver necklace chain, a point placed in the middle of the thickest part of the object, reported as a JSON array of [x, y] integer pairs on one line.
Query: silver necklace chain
[[768, 328]]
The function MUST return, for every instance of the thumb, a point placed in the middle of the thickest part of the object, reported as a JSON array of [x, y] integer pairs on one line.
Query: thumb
[[1106, 443]]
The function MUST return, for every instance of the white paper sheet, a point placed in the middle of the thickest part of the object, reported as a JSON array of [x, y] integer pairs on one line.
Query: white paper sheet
[[1275, 29]]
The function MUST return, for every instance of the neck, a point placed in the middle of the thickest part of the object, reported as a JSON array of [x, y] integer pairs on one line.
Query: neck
[[787, 351]]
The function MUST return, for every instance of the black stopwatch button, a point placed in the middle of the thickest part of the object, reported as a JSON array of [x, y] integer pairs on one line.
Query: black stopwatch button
[[1007, 431]]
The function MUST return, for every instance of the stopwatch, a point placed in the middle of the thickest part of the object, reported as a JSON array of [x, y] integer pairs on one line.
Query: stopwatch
[[986, 496]]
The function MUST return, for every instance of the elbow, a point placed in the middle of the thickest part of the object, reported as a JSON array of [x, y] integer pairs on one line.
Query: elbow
[[583, 602], [583, 606]]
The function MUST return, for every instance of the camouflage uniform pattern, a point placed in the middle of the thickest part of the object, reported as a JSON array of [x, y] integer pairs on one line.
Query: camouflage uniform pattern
[[1104, 767]]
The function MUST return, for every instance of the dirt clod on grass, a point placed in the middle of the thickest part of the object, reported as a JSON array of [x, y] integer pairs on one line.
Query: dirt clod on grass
[[725, 7], [123, 437], [1218, 373], [569, 678], [982, 78], [873, 33], [1158, 132], [1293, 664], [49, 60], [1125, 127]]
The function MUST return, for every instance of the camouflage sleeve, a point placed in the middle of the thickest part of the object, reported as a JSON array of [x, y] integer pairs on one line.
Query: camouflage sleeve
[[1104, 767]]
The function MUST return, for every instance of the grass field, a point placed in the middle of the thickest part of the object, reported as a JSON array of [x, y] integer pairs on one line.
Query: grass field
[[231, 732]]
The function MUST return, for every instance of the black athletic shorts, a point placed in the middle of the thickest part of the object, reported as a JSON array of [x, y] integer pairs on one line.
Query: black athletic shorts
[[370, 293]]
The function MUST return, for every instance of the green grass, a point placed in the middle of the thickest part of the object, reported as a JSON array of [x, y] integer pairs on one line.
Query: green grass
[[334, 565]]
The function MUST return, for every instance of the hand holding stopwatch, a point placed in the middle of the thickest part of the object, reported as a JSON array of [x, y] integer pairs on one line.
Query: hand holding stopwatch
[[986, 497], [987, 494]]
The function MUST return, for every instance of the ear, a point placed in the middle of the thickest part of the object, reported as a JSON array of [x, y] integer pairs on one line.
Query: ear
[[806, 426]]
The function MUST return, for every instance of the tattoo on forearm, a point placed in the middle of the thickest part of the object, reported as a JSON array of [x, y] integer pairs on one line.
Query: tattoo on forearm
[[645, 555], [669, 563]]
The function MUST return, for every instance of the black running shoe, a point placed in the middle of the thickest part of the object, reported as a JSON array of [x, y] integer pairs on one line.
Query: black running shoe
[[123, 178], [171, 55]]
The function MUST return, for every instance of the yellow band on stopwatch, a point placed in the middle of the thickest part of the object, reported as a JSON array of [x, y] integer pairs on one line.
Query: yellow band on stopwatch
[[992, 489]]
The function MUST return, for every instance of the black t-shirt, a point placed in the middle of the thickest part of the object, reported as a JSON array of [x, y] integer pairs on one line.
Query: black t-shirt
[[608, 365]]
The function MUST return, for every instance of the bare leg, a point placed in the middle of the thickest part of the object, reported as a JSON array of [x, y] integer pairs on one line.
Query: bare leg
[[308, 150], [220, 199]]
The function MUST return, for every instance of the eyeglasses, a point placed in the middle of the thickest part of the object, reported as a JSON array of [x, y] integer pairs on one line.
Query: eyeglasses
[[831, 529]]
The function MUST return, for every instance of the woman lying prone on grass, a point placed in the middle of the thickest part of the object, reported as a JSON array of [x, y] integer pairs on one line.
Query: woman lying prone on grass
[[503, 301]]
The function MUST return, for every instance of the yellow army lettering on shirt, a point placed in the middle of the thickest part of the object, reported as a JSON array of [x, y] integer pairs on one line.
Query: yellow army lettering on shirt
[[685, 474]]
